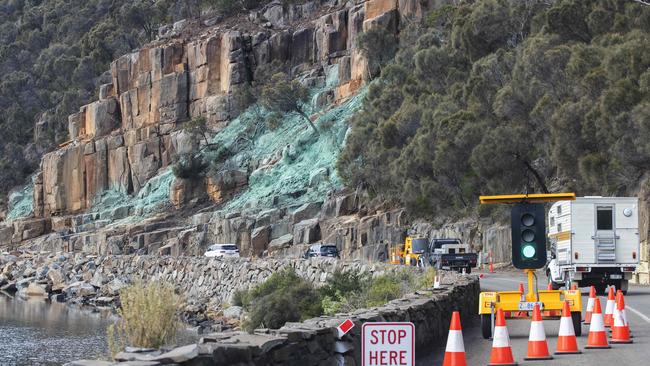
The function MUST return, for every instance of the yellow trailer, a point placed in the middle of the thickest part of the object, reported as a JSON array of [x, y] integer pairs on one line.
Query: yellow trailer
[[515, 302], [529, 253]]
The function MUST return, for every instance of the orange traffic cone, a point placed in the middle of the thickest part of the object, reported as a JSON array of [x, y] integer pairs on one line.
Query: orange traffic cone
[[620, 330], [566, 338], [455, 351], [590, 304], [597, 337], [609, 308], [501, 349], [522, 314], [491, 264], [537, 345], [625, 315], [574, 286]]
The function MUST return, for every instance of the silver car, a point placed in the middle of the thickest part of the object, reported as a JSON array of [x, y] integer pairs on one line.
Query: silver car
[[222, 250]]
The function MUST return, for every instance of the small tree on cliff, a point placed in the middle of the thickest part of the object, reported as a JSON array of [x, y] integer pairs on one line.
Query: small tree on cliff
[[283, 95]]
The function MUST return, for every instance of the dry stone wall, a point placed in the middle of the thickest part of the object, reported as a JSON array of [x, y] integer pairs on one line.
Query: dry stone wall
[[316, 341]]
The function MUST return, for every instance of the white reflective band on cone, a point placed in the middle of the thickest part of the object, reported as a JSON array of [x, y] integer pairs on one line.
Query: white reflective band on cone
[[618, 319], [590, 304], [501, 338], [611, 305], [624, 317], [455, 341], [566, 327], [537, 332], [597, 323]]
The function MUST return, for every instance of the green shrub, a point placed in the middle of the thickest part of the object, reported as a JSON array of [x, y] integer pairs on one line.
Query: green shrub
[[383, 289], [147, 317], [283, 297], [344, 283], [189, 166]]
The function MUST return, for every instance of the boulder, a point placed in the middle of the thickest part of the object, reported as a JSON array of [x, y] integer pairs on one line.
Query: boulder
[[233, 312], [280, 243], [79, 289], [57, 278], [34, 289], [260, 240], [306, 211]]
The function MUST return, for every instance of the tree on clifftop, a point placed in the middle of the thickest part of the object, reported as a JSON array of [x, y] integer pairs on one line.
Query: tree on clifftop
[[284, 95]]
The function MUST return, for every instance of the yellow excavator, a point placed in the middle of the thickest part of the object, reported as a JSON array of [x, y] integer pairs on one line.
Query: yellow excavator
[[411, 252]]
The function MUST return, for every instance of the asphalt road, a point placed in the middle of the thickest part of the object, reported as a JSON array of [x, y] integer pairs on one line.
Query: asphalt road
[[478, 349]]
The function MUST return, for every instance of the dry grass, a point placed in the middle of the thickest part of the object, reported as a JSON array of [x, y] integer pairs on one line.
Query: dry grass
[[147, 317]]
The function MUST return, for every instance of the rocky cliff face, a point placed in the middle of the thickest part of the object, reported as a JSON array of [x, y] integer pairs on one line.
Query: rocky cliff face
[[109, 189]]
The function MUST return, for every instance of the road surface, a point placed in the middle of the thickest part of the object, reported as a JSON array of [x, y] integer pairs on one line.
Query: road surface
[[478, 349]]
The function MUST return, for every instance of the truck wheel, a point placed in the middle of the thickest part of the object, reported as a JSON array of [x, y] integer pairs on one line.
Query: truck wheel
[[576, 317], [486, 326]]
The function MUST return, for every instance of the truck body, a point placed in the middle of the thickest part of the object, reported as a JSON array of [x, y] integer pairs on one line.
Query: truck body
[[594, 241], [452, 254]]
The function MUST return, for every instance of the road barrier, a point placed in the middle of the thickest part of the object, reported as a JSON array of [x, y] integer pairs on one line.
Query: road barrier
[[590, 305], [609, 308], [597, 336], [620, 330], [455, 350], [566, 339], [501, 349], [537, 344]]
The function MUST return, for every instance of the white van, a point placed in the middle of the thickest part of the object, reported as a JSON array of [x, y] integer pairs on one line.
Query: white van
[[222, 250], [594, 241]]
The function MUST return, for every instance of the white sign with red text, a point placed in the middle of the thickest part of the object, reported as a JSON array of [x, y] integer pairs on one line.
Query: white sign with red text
[[388, 344]]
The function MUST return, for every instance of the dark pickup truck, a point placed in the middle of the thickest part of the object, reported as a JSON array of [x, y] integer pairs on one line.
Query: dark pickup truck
[[452, 254]]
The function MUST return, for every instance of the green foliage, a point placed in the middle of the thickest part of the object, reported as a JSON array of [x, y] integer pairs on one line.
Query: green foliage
[[287, 297], [378, 45], [382, 290], [189, 166], [285, 95], [148, 317], [53, 57], [283, 297], [344, 283], [198, 128], [498, 96]]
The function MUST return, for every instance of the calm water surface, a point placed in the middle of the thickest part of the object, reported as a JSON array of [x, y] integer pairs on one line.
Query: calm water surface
[[37, 332]]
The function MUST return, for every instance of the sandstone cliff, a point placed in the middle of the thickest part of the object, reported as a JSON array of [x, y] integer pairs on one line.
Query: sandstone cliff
[[109, 189]]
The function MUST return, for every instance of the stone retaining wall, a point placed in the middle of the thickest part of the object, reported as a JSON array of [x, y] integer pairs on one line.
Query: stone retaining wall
[[206, 283], [315, 341], [214, 280]]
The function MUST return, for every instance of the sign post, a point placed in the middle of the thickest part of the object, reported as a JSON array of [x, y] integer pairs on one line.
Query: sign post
[[388, 344]]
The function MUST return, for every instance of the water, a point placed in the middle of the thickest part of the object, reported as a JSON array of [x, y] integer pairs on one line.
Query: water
[[38, 332]]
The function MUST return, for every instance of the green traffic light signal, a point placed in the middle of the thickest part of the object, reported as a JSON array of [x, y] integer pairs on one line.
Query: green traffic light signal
[[528, 235]]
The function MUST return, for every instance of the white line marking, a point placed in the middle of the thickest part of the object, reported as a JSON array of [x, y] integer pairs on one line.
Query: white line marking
[[635, 311]]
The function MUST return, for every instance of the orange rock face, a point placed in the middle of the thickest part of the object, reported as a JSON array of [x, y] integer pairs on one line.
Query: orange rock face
[[129, 134]]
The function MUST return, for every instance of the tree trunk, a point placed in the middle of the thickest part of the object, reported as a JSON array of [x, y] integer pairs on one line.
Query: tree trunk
[[308, 120], [537, 176]]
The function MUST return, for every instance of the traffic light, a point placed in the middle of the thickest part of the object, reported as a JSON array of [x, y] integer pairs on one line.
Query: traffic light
[[528, 235]]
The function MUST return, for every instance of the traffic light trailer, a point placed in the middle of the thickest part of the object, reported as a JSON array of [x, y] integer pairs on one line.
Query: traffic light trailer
[[528, 226]]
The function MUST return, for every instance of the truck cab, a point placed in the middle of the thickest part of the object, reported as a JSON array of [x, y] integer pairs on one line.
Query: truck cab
[[452, 254], [594, 241]]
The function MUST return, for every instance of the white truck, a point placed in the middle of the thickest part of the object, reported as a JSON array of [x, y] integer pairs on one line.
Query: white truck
[[594, 241]]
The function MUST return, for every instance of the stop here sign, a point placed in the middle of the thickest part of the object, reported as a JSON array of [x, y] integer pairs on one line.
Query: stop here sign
[[388, 344]]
